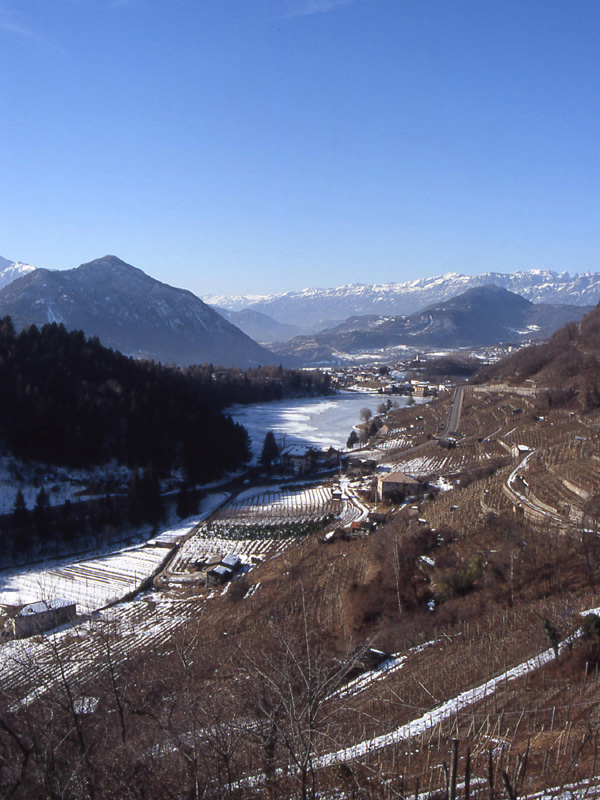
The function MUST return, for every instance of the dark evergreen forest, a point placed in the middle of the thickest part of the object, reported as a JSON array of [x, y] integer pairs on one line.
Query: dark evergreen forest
[[69, 401]]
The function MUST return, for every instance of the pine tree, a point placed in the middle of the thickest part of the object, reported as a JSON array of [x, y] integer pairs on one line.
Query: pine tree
[[20, 513], [270, 451], [351, 440], [40, 512]]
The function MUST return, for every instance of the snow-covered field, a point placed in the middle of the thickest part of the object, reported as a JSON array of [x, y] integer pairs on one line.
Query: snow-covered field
[[92, 584], [96, 582], [278, 505], [280, 512]]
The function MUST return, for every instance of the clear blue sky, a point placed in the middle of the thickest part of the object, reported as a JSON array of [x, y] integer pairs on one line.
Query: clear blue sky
[[263, 145]]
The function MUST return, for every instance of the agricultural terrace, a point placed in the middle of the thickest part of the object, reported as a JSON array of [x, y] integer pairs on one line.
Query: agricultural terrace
[[91, 583], [480, 616], [260, 523], [95, 582], [433, 460], [84, 655]]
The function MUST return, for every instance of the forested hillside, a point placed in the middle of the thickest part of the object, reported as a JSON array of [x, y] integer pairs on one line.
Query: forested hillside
[[67, 400]]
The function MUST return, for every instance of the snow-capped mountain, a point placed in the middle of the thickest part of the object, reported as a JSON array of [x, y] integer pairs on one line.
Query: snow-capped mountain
[[131, 312], [11, 270], [484, 315], [315, 309]]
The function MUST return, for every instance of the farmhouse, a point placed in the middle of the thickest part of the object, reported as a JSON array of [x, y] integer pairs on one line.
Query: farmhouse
[[395, 484], [306, 459], [224, 570], [298, 459], [359, 467], [43, 615], [328, 458]]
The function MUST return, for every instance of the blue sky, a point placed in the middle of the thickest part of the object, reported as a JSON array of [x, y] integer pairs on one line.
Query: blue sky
[[239, 146]]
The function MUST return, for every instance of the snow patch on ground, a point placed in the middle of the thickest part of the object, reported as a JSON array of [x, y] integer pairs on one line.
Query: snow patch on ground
[[96, 582]]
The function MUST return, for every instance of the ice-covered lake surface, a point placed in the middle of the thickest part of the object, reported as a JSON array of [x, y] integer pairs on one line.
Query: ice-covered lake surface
[[316, 421]]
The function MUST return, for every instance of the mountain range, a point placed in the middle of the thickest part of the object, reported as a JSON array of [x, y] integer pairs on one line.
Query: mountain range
[[313, 310], [485, 315], [140, 316], [129, 311], [259, 326]]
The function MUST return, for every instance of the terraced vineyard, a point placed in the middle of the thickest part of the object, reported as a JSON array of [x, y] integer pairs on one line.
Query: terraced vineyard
[[263, 522], [74, 656]]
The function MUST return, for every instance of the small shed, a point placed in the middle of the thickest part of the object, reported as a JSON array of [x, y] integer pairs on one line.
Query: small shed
[[232, 561], [520, 450], [219, 574], [366, 659], [43, 615]]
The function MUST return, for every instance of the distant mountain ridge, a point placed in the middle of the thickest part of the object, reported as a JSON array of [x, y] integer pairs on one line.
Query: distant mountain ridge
[[259, 326], [485, 315], [568, 365], [315, 309], [131, 312]]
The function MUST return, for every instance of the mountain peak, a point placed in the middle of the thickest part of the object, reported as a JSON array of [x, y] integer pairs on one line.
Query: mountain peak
[[11, 270], [131, 312], [108, 262]]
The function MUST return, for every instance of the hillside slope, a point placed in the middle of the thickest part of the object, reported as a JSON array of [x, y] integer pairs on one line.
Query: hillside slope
[[568, 365], [256, 688]]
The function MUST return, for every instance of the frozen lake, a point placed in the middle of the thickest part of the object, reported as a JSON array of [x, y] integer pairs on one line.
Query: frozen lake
[[316, 421]]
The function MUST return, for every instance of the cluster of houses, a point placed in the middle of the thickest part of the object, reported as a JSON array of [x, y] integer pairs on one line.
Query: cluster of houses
[[219, 568], [357, 529], [382, 380]]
